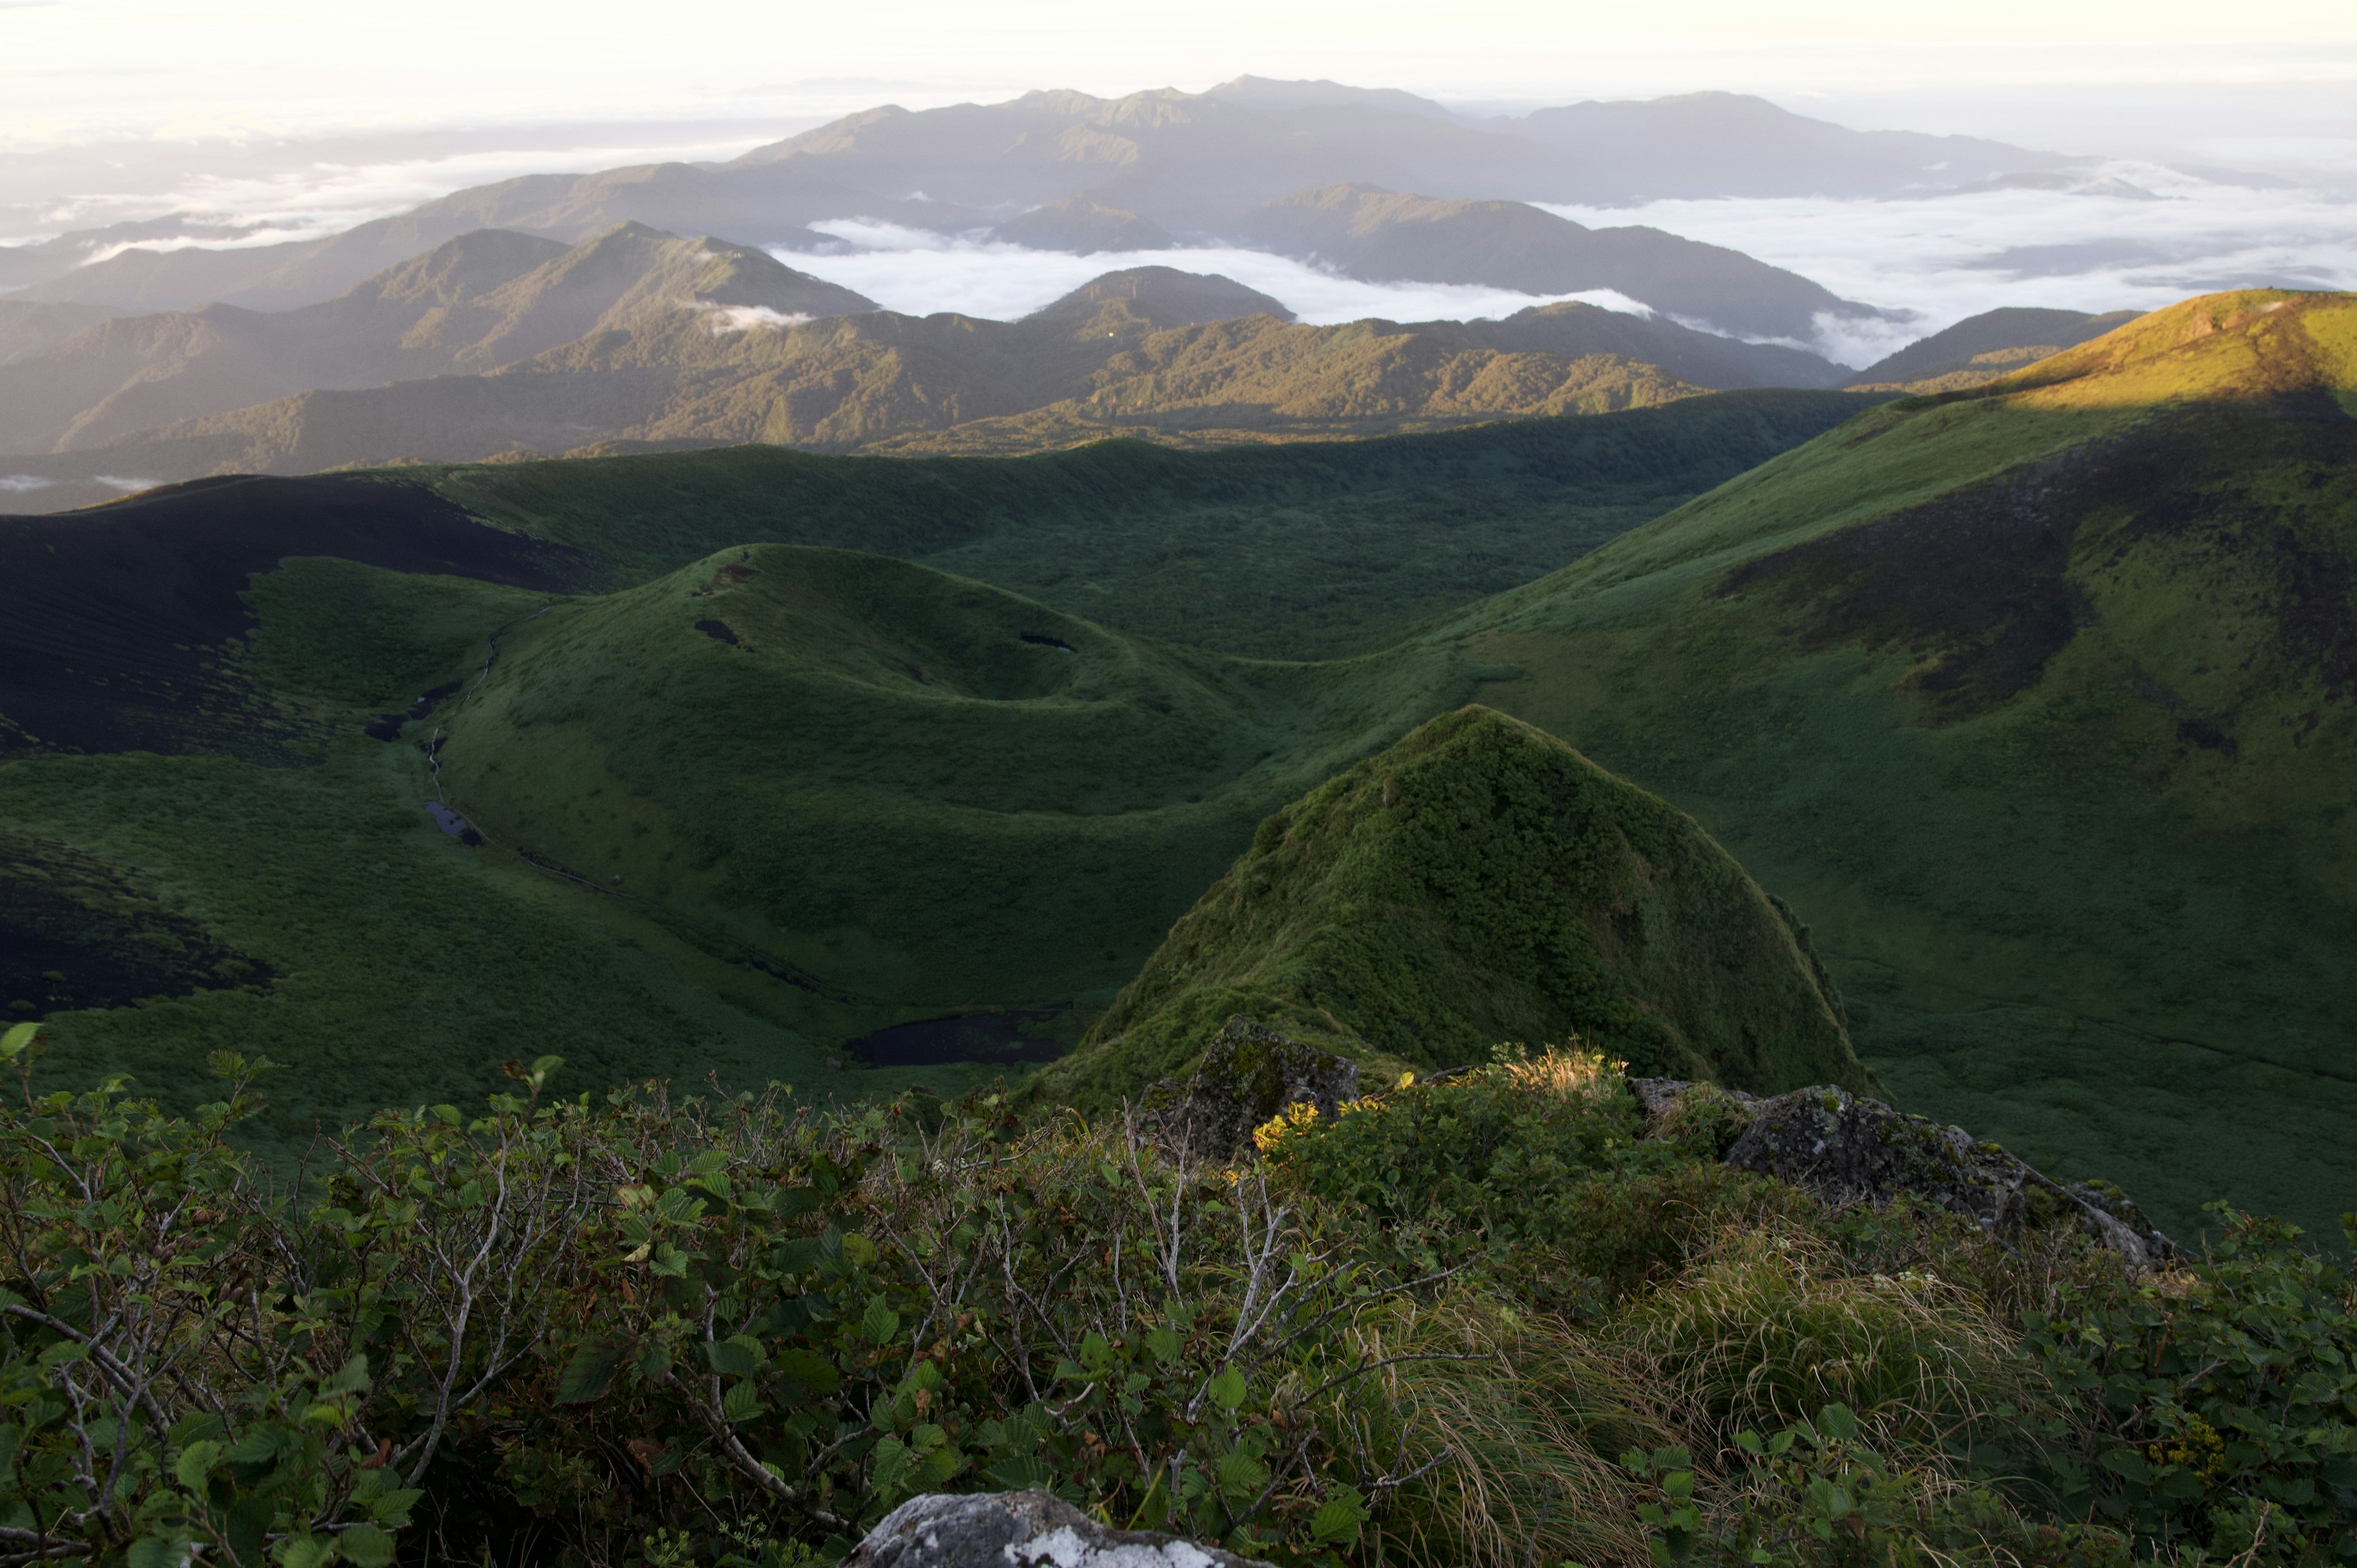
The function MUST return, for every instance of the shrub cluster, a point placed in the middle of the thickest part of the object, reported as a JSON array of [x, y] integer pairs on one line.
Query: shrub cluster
[[1482, 1320]]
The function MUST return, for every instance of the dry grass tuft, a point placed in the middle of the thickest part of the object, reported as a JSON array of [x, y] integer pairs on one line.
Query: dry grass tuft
[[1767, 1327]]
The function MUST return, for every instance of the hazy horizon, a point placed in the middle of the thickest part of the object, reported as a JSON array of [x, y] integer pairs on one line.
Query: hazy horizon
[[256, 122]]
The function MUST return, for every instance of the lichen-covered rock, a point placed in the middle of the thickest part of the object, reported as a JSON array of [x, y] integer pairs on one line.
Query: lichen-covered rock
[[1848, 1149], [1247, 1074], [1020, 1529]]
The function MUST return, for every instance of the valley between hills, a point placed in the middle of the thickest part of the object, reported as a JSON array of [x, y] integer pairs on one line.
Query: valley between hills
[[2024, 705]]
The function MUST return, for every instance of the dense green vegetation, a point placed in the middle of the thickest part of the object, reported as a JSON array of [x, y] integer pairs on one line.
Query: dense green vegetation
[[1313, 551], [406, 963], [912, 788], [1479, 881], [2034, 702], [1492, 1320]]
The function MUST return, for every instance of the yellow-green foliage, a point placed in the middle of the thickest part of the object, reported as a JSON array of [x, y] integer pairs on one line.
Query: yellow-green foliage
[[1479, 881]]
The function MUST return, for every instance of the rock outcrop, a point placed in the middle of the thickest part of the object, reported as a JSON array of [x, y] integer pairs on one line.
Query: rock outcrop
[[1849, 1149], [1021, 1530], [1248, 1073]]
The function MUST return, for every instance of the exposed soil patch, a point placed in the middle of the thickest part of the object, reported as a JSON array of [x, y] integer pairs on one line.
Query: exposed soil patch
[[76, 932], [987, 1038], [1977, 581], [115, 613], [1041, 641], [1976, 577], [718, 630]]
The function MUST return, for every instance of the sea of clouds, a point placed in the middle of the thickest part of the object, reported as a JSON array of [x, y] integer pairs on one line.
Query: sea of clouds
[[1936, 260], [1929, 262], [919, 273]]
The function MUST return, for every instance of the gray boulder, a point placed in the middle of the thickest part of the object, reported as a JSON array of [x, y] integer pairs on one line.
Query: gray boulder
[[1849, 1149], [1021, 1530], [1246, 1076]]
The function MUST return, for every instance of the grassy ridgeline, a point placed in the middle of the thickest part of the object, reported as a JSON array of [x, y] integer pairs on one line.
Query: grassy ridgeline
[[1480, 881]]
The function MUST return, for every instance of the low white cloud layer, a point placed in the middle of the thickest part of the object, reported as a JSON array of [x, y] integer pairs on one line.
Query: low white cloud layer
[[920, 274], [726, 318], [116, 482], [24, 484], [1940, 259]]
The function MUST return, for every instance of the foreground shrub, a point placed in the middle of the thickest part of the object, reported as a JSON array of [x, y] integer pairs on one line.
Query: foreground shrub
[[738, 1330], [1536, 1165], [2222, 1398]]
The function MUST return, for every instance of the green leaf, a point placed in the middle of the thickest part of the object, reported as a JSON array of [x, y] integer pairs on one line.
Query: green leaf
[[1228, 1389], [365, 1546], [591, 1370], [1837, 1422], [879, 1322], [158, 1552], [1338, 1519], [13, 1043], [305, 1550], [741, 1403], [813, 1373], [351, 1378], [2128, 1463], [196, 1461], [739, 1355], [1020, 1474]]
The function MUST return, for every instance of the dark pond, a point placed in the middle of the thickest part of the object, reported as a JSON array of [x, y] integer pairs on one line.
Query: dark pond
[[995, 1038]]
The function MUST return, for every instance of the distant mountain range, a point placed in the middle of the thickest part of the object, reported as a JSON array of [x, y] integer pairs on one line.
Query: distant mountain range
[[567, 313], [499, 344], [1067, 171]]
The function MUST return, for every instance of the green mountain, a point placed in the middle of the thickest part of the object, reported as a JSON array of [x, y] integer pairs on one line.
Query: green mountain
[[485, 300], [2033, 700], [841, 792], [1979, 349], [636, 340], [1480, 882], [1367, 232]]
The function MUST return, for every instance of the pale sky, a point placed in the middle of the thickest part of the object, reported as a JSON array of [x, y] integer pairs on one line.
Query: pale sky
[[80, 70]]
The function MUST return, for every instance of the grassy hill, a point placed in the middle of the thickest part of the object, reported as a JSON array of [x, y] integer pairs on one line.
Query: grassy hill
[[221, 755], [1480, 882], [2034, 701], [906, 799]]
